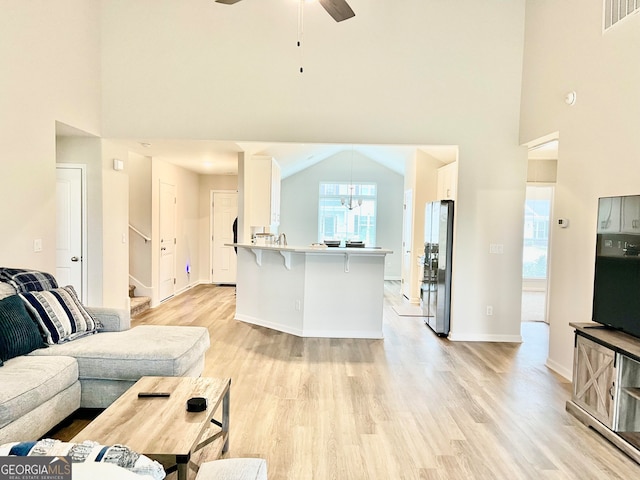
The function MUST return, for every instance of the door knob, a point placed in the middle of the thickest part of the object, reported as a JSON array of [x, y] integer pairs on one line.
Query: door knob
[[163, 248], [74, 259]]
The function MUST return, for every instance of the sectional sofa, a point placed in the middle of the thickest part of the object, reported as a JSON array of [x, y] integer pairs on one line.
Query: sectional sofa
[[92, 369]]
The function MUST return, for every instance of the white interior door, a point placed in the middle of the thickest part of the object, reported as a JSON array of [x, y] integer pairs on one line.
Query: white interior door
[[407, 242], [69, 226], [224, 210], [167, 240]]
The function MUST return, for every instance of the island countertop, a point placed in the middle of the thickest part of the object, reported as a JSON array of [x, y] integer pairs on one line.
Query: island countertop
[[310, 249]]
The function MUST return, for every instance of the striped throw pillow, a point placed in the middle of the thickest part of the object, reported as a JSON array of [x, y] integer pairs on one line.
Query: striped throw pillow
[[60, 314]]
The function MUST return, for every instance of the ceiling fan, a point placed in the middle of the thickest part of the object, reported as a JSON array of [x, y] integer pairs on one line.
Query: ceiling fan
[[338, 9]]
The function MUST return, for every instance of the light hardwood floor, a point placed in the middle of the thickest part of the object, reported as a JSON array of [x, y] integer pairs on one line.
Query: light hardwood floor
[[411, 406]]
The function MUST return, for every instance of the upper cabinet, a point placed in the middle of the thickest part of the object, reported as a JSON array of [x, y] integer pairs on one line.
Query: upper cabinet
[[619, 214], [630, 214], [448, 181], [609, 215], [264, 175]]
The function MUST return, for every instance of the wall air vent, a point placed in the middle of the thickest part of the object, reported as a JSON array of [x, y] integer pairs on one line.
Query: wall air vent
[[616, 10]]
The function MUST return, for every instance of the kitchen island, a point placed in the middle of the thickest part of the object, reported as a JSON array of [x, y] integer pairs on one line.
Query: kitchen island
[[312, 292]]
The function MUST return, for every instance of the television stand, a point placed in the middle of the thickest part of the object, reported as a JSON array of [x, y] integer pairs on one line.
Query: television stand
[[606, 384]]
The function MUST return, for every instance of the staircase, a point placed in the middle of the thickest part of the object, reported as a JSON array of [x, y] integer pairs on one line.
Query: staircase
[[138, 304]]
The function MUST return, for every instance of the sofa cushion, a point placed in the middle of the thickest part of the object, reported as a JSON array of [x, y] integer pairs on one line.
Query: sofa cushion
[[145, 350], [19, 334], [60, 314], [29, 381]]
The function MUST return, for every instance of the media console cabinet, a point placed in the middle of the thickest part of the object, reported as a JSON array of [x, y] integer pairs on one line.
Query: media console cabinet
[[606, 384]]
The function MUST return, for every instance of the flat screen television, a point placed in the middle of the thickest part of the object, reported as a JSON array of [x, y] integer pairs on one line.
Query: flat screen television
[[616, 292]]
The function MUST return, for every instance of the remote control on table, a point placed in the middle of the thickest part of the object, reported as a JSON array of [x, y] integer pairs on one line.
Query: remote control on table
[[153, 394]]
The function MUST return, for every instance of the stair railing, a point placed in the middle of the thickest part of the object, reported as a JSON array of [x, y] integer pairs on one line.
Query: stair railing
[[146, 239]]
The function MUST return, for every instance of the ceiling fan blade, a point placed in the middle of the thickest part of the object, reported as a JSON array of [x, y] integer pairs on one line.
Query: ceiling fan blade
[[227, 2], [338, 9]]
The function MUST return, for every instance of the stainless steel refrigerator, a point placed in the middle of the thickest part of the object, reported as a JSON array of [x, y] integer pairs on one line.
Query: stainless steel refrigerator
[[435, 292]]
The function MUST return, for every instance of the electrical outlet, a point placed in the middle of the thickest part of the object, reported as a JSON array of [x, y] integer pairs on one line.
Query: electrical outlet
[[489, 310]]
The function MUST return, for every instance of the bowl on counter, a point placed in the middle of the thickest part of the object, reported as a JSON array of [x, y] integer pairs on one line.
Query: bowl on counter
[[354, 244], [332, 243]]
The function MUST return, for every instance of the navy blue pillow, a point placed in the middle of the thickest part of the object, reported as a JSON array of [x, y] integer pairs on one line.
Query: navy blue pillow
[[19, 334]]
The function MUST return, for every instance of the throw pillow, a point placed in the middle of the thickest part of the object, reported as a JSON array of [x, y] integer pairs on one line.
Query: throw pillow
[[6, 290], [24, 280], [60, 314], [19, 334], [89, 452]]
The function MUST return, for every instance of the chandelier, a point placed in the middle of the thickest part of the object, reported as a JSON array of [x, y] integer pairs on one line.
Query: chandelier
[[352, 202]]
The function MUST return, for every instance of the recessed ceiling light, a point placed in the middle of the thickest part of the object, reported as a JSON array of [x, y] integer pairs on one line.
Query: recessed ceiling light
[[145, 144]]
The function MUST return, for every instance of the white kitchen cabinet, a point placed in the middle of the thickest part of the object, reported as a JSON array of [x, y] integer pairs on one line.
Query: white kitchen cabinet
[[609, 215], [630, 214], [448, 182], [263, 173]]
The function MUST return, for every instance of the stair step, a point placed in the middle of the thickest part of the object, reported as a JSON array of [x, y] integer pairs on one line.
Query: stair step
[[139, 305]]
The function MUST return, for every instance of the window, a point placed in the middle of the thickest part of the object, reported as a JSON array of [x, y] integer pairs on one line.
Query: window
[[616, 10], [337, 222]]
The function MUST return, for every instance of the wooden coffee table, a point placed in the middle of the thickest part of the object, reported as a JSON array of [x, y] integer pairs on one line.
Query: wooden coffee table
[[160, 427]]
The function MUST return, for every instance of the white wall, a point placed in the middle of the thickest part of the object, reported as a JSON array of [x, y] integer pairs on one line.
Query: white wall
[[115, 228], [599, 145], [50, 52], [425, 72]]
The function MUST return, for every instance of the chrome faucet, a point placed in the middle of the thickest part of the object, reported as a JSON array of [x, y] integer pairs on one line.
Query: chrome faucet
[[282, 239]]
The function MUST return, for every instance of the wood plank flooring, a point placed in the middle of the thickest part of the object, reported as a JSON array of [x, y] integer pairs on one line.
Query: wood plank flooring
[[411, 406]]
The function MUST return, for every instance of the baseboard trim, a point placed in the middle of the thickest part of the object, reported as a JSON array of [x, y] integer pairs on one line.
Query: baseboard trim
[[559, 369], [454, 337]]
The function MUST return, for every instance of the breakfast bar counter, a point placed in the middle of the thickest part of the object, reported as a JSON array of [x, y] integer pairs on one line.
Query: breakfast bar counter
[[311, 291]]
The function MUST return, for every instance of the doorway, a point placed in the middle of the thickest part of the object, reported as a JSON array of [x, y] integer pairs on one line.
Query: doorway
[[224, 210], [70, 227], [535, 252]]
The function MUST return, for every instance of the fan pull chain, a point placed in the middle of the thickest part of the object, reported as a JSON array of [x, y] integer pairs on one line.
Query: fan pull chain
[[301, 33]]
